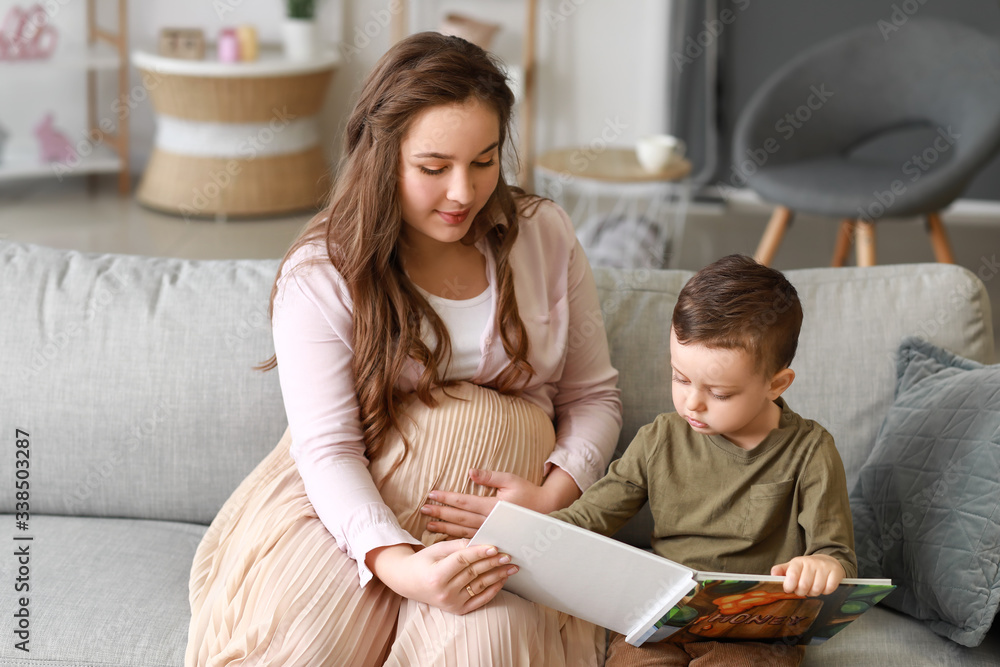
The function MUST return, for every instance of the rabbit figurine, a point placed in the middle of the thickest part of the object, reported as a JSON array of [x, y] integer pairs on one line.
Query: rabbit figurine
[[53, 144]]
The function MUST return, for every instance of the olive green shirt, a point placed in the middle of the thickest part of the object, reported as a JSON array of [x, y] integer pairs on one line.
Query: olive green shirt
[[719, 508]]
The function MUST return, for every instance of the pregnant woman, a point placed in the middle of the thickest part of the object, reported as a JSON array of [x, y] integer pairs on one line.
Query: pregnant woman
[[439, 344]]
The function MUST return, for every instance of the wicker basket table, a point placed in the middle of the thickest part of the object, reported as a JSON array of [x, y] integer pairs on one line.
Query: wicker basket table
[[235, 139]]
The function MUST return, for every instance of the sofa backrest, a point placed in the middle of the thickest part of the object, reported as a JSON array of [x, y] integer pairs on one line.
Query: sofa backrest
[[133, 375]]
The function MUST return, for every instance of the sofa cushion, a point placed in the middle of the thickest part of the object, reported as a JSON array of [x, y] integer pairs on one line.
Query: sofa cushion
[[103, 592], [927, 502], [885, 637], [853, 322], [134, 377]]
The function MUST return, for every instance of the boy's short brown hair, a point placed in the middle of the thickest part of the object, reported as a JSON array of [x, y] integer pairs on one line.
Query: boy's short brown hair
[[737, 303]]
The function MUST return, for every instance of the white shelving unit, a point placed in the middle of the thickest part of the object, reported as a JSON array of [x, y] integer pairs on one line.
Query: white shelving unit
[[105, 51], [102, 161], [97, 57]]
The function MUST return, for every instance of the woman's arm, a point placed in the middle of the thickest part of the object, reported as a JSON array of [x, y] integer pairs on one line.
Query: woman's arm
[[312, 337], [313, 331], [587, 402]]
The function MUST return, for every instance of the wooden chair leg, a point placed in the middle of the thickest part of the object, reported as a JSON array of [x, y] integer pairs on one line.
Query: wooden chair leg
[[939, 240], [773, 234], [864, 241], [845, 236]]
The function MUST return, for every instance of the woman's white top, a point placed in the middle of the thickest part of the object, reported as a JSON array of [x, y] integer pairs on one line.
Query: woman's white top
[[466, 321]]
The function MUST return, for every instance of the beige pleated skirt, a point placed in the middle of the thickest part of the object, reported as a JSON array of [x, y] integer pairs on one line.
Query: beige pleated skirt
[[270, 586]]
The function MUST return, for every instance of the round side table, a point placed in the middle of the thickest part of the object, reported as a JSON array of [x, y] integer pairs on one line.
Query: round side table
[[235, 139], [614, 172]]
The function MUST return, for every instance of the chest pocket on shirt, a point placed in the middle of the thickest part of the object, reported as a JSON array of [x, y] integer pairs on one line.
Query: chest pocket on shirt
[[768, 508], [547, 334]]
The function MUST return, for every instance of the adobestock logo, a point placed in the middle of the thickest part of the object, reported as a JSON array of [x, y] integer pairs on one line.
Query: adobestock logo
[[565, 9], [613, 128], [371, 29], [583, 157], [915, 167], [252, 145], [901, 13], [694, 47], [786, 126], [958, 299]]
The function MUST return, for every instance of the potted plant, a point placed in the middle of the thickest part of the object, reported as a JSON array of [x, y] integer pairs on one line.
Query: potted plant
[[301, 37]]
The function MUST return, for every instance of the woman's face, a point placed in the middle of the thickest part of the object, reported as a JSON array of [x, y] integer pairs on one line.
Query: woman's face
[[449, 167]]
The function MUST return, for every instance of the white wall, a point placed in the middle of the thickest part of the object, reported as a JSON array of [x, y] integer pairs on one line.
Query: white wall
[[602, 63]]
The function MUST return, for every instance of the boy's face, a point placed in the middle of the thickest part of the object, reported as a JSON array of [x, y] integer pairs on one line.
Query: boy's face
[[721, 392]]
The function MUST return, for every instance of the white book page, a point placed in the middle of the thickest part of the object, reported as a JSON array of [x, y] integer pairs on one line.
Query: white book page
[[573, 570]]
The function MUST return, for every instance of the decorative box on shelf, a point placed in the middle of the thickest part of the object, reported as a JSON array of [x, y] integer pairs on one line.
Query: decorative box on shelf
[[186, 43]]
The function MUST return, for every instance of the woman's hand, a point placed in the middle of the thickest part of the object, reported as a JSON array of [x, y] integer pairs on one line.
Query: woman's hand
[[461, 514], [448, 575]]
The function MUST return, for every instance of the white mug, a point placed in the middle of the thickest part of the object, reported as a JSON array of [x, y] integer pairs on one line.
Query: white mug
[[656, 151]]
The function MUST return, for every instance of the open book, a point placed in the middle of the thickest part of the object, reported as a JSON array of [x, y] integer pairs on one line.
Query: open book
[[648, 598]]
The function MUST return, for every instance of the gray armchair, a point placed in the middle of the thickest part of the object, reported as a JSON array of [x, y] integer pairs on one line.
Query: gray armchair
[[804, 140]]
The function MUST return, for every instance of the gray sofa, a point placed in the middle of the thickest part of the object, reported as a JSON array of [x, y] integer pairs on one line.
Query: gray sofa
[[130, 380]]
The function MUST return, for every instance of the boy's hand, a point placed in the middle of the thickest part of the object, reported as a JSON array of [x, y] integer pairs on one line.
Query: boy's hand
[[811, 575]]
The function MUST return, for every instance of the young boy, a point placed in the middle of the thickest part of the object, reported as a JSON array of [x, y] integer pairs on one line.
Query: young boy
[[736, 481]]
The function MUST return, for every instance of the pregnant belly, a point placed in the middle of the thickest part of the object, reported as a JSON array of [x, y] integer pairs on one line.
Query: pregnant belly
[[471, 427]]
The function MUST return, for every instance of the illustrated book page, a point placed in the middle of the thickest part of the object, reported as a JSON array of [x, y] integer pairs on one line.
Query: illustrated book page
[[729, 607]]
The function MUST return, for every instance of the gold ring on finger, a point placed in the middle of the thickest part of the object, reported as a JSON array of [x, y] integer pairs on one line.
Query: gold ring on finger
[[468, 589]]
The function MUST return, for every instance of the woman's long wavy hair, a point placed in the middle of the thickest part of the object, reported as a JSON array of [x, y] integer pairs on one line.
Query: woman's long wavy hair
[[362, 223]]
